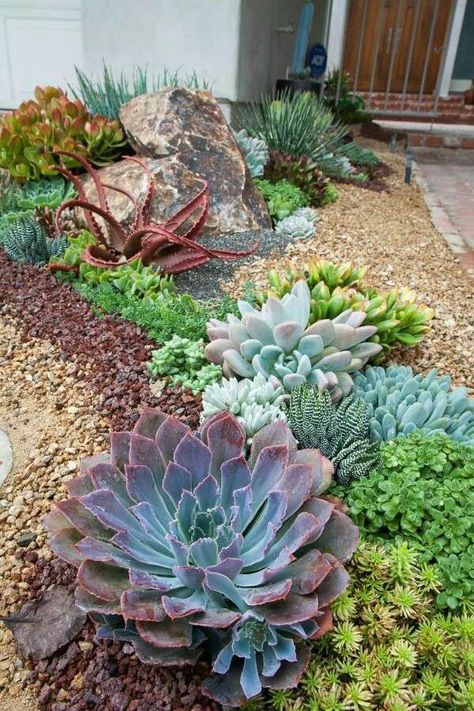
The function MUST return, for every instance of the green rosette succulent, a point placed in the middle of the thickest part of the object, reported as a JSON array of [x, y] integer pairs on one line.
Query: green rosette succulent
[[184, 547], [400, 402], [45, 193], [254, 150], [184, 363], [276, 340]]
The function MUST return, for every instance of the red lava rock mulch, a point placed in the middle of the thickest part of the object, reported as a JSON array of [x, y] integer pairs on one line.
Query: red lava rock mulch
[[115, 350], [103, 675]]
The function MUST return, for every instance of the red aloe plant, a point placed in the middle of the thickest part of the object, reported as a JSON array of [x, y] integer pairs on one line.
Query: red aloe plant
[[158, 244]]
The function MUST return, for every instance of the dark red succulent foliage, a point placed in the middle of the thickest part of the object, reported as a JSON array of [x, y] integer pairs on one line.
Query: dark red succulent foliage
[[170, 246]]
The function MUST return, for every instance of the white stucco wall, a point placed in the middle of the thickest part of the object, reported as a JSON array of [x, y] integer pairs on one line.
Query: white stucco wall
[[200, 35]]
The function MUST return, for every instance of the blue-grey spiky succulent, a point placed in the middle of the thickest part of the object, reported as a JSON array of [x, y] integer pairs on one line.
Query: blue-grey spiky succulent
[[295, 227], [276, 340], [400, 403], [184, 546], [255, 403], [25, 240], [340, 431], [255, 152]]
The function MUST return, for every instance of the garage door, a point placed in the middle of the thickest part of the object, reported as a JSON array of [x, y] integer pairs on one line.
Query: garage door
[[40, 42]]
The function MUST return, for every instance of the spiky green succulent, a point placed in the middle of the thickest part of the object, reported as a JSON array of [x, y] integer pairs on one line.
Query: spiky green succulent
[[254, 150], [396, 314], [423, 661], [255, 403], [276, 340], [295, 227], [340, 432], [184, 362], [400, 402], [184, 546], [25, 240]]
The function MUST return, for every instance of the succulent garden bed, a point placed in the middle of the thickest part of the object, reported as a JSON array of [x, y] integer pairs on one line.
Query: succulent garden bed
[[216, 503]]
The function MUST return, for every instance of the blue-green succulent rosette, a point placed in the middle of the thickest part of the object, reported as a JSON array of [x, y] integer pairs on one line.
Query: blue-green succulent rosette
[[184, 547]]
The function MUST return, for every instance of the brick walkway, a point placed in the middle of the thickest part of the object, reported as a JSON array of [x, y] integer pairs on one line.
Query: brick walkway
[[447, 179]]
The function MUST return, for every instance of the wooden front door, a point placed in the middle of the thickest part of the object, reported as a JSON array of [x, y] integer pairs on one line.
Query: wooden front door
[[395, 49]]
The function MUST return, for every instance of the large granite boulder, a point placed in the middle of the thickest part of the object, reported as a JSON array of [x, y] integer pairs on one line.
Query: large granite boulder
[[185, 140]]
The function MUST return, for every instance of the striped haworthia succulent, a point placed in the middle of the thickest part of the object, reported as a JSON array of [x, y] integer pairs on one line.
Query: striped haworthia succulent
[[185, 547], [276, 340]]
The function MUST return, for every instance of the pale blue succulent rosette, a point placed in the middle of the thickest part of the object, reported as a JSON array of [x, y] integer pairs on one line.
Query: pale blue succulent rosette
[[277, 341]]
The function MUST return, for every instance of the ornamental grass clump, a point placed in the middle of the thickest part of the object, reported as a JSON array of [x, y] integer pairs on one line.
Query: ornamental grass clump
[[184, 547], [400, 403], [390, 648], [340, 431], [423, 493], [276, 340], [31, 135], [335, 288]]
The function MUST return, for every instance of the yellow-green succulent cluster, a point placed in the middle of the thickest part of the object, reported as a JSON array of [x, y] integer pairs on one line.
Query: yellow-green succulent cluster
[[396, 314], [389, 649]]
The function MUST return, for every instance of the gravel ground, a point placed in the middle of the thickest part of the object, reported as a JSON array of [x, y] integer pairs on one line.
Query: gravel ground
[[110, 353], [53, 420], [209, 279], [391, 233]]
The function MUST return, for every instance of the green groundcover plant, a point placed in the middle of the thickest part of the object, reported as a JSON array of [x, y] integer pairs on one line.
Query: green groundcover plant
[[161, 319], [282, 197], [390, 648], [184, 363], [423, 493]]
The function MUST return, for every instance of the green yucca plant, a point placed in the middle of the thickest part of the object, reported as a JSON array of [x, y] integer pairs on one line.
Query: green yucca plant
[[108, 94]]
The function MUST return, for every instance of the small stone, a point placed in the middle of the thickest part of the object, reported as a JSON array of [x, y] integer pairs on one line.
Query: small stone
[[26, 538]]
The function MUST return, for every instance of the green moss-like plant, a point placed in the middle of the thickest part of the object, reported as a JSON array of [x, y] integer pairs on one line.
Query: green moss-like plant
[[184, 363], [423, 493], [282, 197], [390, 649]]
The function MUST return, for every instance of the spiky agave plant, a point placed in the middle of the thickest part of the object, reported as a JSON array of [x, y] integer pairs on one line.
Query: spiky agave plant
[[182, 545]]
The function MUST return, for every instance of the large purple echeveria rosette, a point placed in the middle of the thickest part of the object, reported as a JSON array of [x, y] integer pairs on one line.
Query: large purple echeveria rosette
[[182, 545]]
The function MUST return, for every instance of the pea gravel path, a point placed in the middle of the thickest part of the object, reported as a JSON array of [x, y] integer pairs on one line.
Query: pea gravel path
[[392, 234]]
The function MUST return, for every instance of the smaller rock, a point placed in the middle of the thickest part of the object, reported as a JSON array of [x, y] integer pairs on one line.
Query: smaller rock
[[26, 538]]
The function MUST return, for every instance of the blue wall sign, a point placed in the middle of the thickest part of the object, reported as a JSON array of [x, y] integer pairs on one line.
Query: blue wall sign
[[317, 60]]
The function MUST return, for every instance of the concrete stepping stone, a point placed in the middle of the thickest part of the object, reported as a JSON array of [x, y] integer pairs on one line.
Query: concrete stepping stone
[[6, 456]]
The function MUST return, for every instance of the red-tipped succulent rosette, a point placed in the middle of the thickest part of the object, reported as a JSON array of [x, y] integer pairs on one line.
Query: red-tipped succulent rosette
[[183, 546]]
